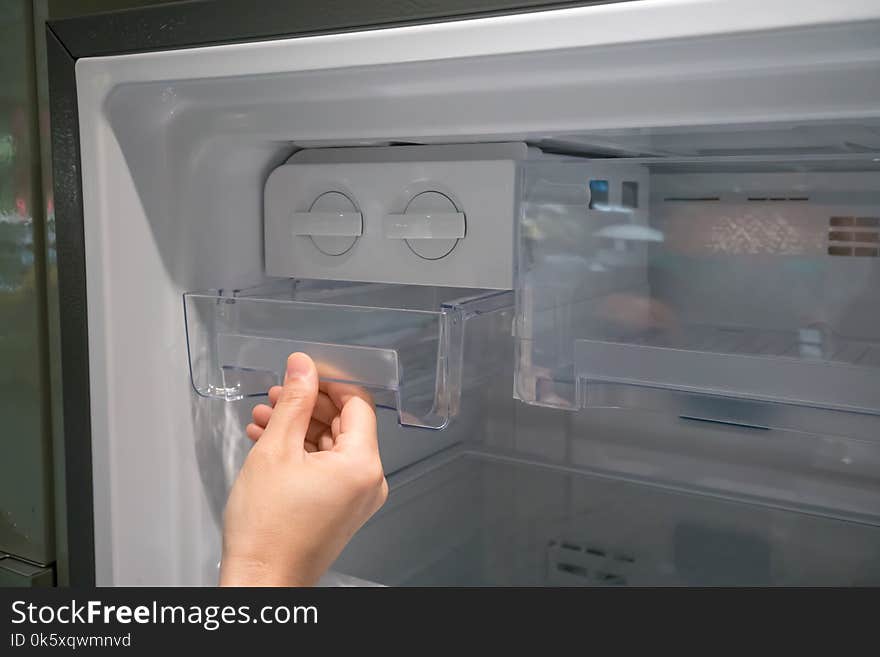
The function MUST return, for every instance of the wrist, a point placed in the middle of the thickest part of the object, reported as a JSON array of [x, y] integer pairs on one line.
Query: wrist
[[237, 571]]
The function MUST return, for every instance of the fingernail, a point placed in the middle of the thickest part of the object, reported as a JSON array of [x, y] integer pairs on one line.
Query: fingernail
[[298, 364]]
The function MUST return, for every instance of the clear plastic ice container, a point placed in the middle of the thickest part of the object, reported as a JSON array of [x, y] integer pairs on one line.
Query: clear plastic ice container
[[414, 347]]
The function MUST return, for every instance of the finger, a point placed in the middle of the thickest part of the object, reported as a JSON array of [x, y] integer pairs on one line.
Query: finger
[[253, 431], [315, 431], [325, 409], [326, 442], [340, 393], [357, 427], [334, 426], [274, 394], [310, 448], [293, 411], [261, 414]]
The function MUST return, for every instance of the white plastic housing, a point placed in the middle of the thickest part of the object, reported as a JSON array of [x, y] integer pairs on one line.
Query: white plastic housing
[[465, 240]]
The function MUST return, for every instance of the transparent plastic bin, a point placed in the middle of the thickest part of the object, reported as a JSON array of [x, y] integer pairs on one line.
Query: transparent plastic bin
[[739, 289], [414, 347]]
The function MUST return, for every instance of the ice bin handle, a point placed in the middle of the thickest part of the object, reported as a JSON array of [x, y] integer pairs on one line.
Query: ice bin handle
[[367, 366]]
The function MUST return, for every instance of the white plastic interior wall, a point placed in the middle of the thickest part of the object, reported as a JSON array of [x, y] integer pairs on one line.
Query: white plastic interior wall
[[176, 148]]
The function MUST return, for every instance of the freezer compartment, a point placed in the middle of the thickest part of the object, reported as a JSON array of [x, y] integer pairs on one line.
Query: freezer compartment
[[472, 518], [414, 347], [746, 285]]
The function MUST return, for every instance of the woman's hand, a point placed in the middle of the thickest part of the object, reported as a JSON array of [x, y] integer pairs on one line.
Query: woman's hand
[[312, 479]]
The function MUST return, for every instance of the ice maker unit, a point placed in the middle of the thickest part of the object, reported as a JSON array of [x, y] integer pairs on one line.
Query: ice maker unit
[[610, 270]]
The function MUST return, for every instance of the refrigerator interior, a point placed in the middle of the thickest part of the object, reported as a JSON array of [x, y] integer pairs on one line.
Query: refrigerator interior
[[617, 480], [554, 469]]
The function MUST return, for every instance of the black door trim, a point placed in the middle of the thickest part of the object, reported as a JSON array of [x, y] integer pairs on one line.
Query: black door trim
[[73, 321], [212, 22]]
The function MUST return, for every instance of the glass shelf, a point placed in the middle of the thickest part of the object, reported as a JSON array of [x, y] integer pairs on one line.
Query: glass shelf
[[414, 347], [468, 518]]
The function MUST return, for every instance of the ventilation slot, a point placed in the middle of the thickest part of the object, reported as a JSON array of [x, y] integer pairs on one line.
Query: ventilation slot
[[629, 193], [575, 563], [572, 569], [854, 236], [691, 199]]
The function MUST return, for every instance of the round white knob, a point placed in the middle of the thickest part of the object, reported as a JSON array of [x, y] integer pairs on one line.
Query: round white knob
[[428, 204], [334, 202]]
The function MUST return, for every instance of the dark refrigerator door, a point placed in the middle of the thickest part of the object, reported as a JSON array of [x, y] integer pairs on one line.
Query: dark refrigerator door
[[26, 508]]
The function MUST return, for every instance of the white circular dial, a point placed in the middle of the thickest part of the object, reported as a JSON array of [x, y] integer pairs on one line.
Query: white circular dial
[[333, 202], [426, 202]]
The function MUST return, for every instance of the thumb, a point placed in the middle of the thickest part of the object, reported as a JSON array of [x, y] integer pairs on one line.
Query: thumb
[[293, 410], [357, 427]]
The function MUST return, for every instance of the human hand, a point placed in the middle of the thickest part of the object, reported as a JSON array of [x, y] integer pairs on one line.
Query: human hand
[[312, 479]]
